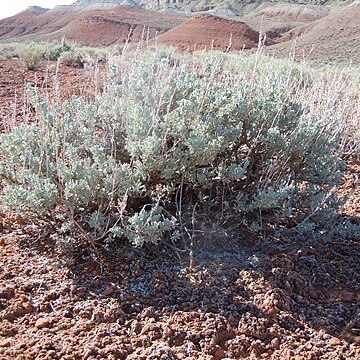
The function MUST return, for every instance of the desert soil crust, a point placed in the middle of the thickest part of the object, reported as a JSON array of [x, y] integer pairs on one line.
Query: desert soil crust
[[270, 298]]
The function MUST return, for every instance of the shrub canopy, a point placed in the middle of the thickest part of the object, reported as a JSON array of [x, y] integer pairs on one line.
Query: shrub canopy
[[257, 143]]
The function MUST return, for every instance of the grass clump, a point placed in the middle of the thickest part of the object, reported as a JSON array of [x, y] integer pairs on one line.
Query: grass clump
[[31, 54], [172, 138]]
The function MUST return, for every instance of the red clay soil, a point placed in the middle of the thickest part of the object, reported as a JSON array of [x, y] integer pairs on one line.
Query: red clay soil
[[211, 32], [50, 81], [278, 298], [88, 26], [243, 298], [121, 24]]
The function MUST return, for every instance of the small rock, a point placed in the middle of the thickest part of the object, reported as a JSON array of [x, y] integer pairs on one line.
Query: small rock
[[2, 241], [5, 343], [27, 306], [347, 297], [107, 292], [7, 293], [334, 341], [275, 344], [52, 295], [43, 323], [139, 272], [314, 294], [357, 339]]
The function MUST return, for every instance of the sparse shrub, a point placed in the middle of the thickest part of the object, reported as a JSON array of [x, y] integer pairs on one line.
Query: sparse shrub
[[83, 57], [8, 51], [72, 58], [57, 50], [31, 54], [93, 56], [166, 136]]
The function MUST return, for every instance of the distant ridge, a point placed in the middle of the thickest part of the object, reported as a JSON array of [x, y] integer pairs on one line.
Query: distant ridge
[[96, 24], [131, 3], [237, 7], [35, 10], [91, 2]]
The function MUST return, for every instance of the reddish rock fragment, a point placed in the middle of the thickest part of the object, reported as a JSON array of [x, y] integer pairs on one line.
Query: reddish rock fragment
[[43, 323]]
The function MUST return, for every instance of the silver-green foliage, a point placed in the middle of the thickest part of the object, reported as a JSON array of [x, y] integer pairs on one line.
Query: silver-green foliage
[[31, 54], [254, 144]]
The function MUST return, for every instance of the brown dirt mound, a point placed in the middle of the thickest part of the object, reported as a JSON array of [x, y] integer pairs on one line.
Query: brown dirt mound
[[208, 31], [28, 23], [89, 26], [119, 24]]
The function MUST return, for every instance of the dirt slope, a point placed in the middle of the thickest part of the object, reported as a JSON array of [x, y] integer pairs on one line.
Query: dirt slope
[[93, 25], [276, 19], [208, 31], [334, 38], [107, 26], [29, 23]]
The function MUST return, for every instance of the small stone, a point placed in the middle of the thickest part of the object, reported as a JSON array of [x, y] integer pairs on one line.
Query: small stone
[[43, 323], [356, 339], [107, 292], [2, 241], [347, 297], [5, 343], [7, 293], [27, 307], [335, 341], [139, 272], [314, 294], [275, 344]]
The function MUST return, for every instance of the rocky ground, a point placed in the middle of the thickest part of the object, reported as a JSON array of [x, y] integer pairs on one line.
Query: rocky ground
[[271, 299], [246, 297], [51, 79]]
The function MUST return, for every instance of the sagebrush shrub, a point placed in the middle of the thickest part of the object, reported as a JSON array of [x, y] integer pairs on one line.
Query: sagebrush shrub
[[57, 50], [72, 58], [171, 132], [31, 54]]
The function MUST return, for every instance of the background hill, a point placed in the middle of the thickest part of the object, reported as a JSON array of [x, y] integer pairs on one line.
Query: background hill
[[211, 32], [90, 25], [237, 7], [325, 31]]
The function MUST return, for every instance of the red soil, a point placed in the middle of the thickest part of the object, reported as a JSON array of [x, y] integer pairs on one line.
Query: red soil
[[50, 81], [89, 26], [208, 31]]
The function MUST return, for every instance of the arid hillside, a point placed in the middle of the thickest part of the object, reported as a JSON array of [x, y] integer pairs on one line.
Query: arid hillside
[[98, 25], [333, 39], [326, 31], [211, 32], [239, 7]]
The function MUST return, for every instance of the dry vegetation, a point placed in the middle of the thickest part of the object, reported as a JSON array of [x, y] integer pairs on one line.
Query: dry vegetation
[[228, 169]]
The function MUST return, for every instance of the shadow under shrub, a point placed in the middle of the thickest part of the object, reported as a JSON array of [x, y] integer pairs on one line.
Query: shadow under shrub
[[170, 139]]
